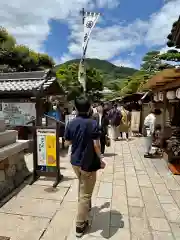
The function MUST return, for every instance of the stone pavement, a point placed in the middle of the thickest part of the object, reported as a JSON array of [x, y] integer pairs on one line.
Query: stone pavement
[[134, 198]]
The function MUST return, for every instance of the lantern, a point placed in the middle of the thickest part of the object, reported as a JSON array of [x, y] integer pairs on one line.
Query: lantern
[[155, 97], [171, 95], [178, 93], [160, 96]]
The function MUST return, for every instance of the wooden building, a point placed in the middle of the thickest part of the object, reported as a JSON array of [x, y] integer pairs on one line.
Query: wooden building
[[23, 97], [166, 91]]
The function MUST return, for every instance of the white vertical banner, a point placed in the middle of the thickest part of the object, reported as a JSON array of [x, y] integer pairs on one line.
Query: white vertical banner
[[90, 20]]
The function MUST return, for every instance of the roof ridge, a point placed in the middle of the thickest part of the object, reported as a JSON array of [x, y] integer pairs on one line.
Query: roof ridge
[[21, 79], [12, 73]]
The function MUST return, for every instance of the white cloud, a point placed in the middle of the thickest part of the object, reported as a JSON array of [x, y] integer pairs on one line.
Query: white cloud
[[160, 23], [166, 48], [29, 23], [108, 3], [109, 42], [124, 63], [106, 42], [28, 20]]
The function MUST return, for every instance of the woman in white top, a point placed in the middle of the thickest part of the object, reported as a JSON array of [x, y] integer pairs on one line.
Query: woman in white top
[[149, 127]]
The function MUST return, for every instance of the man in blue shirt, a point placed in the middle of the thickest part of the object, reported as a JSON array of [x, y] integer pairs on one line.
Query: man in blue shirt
[[83, 134]]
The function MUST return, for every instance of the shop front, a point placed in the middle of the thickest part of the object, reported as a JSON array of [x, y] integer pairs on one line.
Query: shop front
[[166, 93]]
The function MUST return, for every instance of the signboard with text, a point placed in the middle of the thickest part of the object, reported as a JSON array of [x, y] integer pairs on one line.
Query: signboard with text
[[17, 113], [46, 149]]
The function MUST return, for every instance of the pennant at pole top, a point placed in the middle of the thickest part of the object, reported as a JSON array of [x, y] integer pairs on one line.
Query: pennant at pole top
[[90, 20]]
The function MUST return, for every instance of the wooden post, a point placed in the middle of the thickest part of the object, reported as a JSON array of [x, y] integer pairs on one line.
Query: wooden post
[[164, 110], [35, 175], [59, 176]]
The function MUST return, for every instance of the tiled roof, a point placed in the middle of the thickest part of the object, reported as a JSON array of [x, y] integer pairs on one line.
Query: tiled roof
[[25, 81], [163, 78]]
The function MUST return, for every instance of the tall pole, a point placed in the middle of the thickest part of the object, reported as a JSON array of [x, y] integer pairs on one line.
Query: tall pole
[[89, 20], [82, 12]]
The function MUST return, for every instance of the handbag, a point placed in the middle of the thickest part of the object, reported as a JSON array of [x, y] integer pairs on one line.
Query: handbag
[[90, 161]]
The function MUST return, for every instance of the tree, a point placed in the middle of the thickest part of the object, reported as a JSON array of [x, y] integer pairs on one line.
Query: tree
[[171, 55], [15, 57], [7, 42], [45, 61], [68, 77], [151, 62], [135, 82]]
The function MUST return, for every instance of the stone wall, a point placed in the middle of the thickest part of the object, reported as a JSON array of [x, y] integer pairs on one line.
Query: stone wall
[[13, 171]]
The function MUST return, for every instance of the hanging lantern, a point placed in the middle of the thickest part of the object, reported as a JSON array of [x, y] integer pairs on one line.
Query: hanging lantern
[[160, 96], [156, 97], [178, 93], [171, 95]]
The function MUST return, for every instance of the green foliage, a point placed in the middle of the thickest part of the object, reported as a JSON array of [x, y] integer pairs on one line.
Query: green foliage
[[112, 75], [68, 78], [15, 57], [151, 61], [173, 56], [135, 83], [151, 64]]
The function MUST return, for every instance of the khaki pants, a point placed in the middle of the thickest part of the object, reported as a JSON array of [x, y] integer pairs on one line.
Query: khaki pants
[[87, 182]]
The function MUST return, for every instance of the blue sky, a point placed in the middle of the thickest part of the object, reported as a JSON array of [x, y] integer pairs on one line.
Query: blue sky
[[125, 32]]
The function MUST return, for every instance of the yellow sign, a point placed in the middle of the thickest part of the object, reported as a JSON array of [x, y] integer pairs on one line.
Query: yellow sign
[[51, 150]]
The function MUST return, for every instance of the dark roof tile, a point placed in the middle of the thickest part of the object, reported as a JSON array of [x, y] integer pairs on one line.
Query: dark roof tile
[[23, 75], [22, 82]]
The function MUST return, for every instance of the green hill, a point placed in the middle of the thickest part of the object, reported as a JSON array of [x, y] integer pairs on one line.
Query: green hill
[[109, 70]]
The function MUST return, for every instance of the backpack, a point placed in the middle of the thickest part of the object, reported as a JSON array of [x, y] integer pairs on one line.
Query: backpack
[[116, 118]]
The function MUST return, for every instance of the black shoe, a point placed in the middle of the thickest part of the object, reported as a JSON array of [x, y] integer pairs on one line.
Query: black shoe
[[148, 155], [81, 230]]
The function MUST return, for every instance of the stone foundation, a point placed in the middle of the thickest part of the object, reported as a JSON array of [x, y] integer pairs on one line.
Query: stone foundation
[[13, 171], [13, 168]]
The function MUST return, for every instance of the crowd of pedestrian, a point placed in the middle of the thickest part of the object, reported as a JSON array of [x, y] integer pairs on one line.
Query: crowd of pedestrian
[[88, 130], [88, 134]]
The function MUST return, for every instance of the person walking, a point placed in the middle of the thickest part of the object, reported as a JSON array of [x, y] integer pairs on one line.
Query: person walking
[[82, 133], [115, 119], [125, 122], [102, 120], [149, 128]]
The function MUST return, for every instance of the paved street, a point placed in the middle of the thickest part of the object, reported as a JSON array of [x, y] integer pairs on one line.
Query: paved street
[[134, 198]]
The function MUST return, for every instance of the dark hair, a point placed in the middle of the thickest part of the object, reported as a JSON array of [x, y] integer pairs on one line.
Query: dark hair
[[82, 104], [156, 111]]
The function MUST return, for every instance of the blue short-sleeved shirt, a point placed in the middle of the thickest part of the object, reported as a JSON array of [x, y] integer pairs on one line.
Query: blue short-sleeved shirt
[[76, 132]]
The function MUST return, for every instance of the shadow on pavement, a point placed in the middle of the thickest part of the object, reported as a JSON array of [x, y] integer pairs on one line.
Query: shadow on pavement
[[110, 154], [50, 189], [102, 220]]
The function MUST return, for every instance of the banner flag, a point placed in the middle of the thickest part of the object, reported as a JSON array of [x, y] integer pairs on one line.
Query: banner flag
[[90, 20]]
